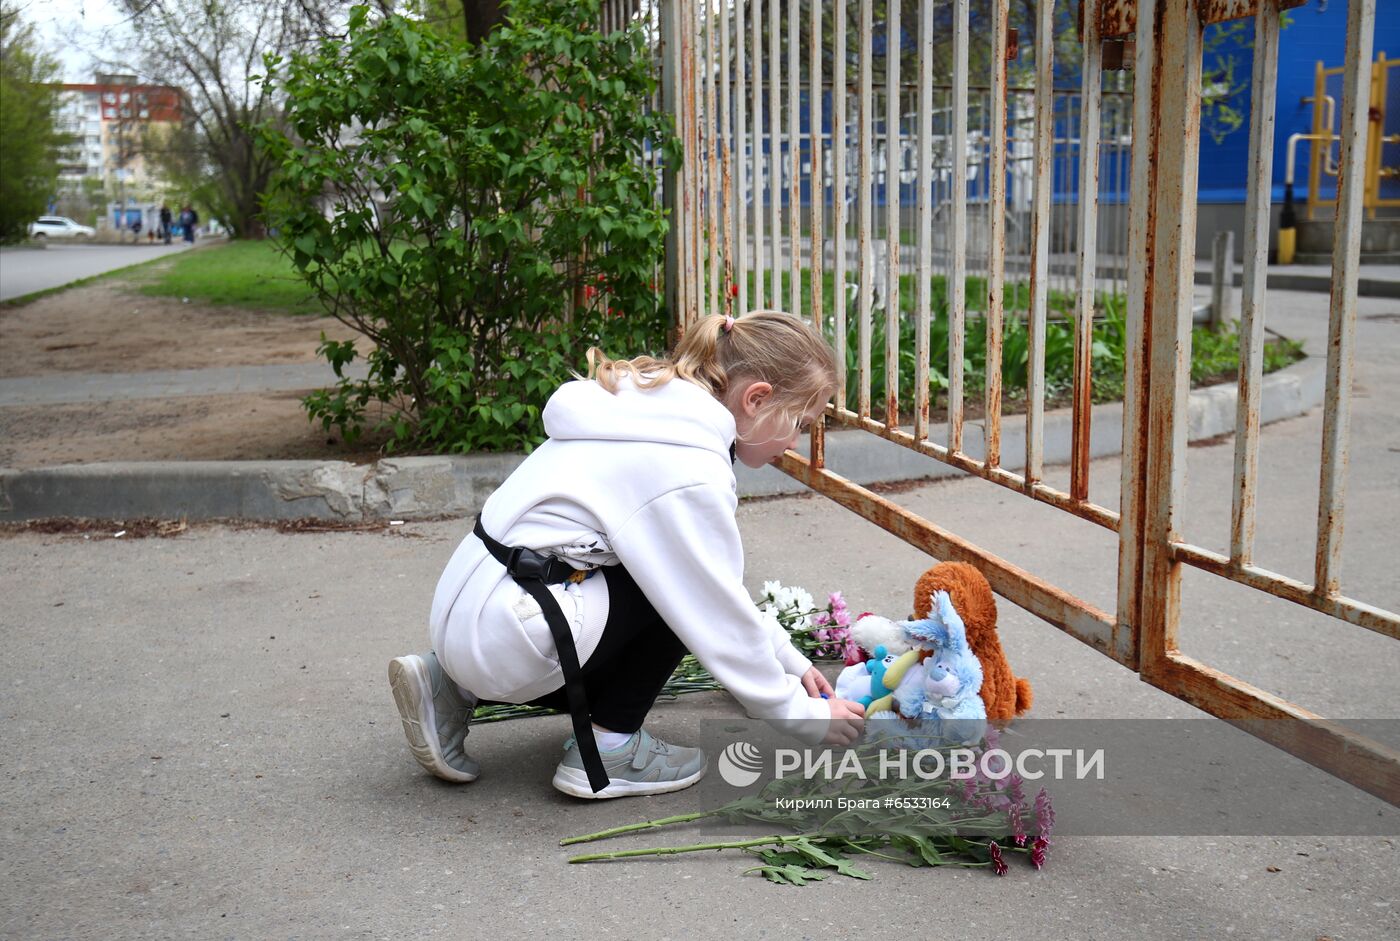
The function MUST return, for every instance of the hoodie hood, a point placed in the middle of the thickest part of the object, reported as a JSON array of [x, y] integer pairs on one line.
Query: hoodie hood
[[679, 412]]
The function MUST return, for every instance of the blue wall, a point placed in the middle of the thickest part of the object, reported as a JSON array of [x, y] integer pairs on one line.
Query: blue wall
[[1317, 32]]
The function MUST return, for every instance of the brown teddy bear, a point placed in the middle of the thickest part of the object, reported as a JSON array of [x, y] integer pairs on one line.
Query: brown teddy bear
[[1005, 695]]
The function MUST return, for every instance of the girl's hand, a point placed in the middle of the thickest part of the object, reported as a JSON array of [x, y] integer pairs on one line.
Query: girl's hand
[[847, 721], [816, 684]]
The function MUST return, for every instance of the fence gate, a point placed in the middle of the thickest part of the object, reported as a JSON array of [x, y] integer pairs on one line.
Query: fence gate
[[791, 141]]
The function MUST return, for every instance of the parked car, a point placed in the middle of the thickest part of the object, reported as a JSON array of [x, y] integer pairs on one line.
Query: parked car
[[59, 227]]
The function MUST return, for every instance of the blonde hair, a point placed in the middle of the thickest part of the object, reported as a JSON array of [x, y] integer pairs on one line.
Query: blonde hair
[[769, 346]]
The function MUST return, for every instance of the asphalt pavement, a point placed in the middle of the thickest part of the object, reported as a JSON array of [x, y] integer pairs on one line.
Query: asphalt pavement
[[200, 741], [24, 269]]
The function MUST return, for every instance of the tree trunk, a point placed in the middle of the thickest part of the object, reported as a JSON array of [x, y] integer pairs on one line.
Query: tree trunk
[[480, 17]]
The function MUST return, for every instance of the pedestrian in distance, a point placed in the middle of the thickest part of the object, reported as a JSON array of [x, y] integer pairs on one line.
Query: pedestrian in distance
[[165, 221], [613, 549], [188, 220]]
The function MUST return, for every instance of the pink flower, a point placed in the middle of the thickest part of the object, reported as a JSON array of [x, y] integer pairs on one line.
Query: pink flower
[[1044, 815], [998, 864], [1014, 788], [1018, 830], [1038, 852], [842, 617]]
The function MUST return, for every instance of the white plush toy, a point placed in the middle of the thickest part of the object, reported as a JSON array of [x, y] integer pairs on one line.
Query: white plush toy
[[874, 631]]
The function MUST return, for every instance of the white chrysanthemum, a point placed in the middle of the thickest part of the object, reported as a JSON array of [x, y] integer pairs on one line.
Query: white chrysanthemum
[[772, 589], [794, 606], [802, 602]]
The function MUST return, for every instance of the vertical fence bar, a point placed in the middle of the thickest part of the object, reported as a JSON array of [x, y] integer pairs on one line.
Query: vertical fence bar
[[726, 188], [1264, 92], [712, 187], [698, 185], [1346, 256], [672, 179], [863, 220], [892, 151], [794, 90], [1133, 481], [996, 231], [923, 215], [759, 77], [693, 166], [817, 185], [1170, 86], [1090, 102], [838, 195], [742, 185], [1040, 236], [957, 274], [775, 155]]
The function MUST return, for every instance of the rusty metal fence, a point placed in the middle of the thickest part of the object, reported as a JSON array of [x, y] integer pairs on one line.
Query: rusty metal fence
[[740, 76]]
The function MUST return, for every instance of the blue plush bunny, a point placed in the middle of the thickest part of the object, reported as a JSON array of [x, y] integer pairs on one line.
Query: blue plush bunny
[[945, 687]]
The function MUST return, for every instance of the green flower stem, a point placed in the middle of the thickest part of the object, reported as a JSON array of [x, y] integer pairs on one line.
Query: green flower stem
[[776, 838], [861, 849], [633, 827]]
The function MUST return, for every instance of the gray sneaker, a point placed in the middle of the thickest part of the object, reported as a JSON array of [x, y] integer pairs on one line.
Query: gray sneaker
[[435, 716], [644, 765]]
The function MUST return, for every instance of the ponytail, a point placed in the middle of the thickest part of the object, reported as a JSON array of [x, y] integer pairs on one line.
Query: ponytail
[[718, 353]]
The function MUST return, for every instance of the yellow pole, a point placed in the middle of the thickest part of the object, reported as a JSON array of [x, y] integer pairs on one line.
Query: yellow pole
[[1376, 131], [1319, 147]]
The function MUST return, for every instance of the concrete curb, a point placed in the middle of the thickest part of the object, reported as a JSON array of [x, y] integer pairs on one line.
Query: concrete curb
[[1284, 280], [423, 487]]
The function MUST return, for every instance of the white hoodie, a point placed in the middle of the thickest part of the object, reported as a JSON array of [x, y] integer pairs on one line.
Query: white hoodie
[[640, 477]]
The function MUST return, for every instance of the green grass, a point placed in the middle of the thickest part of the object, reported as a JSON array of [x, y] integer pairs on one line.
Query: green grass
[[251, 274]]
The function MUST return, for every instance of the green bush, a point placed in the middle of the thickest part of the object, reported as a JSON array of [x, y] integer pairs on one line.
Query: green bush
[[448, 200]]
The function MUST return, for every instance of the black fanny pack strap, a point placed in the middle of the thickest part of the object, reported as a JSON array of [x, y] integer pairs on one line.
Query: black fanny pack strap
[[533, 573]]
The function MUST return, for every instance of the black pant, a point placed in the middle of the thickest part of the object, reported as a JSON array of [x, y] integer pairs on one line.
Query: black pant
[[635, 656]]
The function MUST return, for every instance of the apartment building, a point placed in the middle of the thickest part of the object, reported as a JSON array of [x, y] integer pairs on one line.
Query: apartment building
[[106, 119]]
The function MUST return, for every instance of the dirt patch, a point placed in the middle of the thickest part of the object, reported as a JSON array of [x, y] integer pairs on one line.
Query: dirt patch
[[271, 426], [108, 327]]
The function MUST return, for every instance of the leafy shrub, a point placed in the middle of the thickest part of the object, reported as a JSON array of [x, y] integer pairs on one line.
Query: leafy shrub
[[448, 200]]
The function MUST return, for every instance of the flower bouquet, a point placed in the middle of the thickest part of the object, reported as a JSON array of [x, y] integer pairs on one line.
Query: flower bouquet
[[819, 633], [975, 821]]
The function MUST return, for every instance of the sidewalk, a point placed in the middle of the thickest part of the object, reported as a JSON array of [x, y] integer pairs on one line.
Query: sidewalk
[[64, 388], [26, 270], [200, 742], [1374, 281]]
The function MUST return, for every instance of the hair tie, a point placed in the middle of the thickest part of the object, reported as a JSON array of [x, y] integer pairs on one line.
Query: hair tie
[[728, 323]]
